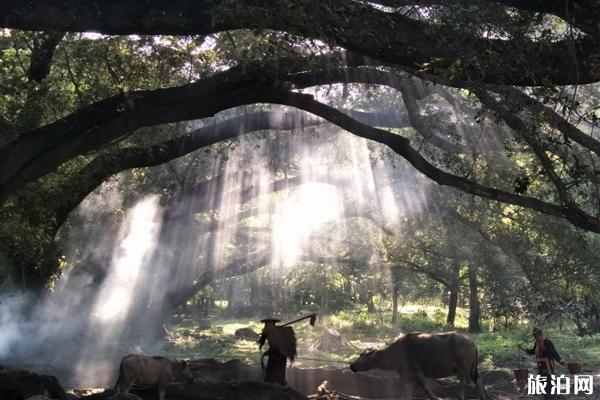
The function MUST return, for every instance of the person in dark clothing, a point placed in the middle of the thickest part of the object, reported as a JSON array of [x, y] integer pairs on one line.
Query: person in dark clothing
[[545, 357], [282, 345]]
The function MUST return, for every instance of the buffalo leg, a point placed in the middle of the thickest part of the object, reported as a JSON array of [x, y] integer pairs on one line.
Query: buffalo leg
[[464, 380], [407, 386], [420, 379], [161, 392], [123, 387], [481, 392]]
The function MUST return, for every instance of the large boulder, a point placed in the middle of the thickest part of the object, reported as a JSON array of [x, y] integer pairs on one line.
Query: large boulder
[[246, 333], [210, 370], [331, 341], [245, 390], [210, 391], [124, 396], [21, 385]]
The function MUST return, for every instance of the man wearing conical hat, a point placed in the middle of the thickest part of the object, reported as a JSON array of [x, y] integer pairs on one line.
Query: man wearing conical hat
[[282, 345], [545, 356]]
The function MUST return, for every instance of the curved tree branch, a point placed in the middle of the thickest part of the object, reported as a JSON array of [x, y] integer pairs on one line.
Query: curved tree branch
[[386, 78], [40, 151], [529, 135], [202, 98], [519, 99], [358, 27], [583, 14], [402, 147], [80, 184]]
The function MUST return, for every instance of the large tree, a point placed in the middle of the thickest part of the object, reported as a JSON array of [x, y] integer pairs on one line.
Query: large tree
[[68, 127]]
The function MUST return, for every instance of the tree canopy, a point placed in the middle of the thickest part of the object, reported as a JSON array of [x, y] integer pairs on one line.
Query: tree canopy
[[451, 146], [497, 99]]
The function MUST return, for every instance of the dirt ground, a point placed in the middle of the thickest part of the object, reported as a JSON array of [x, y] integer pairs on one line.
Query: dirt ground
[[236, 380], [341, 384]]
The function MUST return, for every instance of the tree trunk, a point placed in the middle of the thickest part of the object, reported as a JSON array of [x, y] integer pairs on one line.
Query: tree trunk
[[370, 304], [454, 289], [395, 294], [474, 308], [452, 304], [254, 291], [230, 293]]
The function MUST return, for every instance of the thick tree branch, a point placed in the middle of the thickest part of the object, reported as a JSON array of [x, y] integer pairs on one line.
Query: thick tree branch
[[358, 27], [419, 122], [40, 151], [583, 14], [378, 77], [528, 133], [402, 147], [44, 45], [423, 270], [80, 184], [202, 98], [515, 97], [518, 100], [113, 162]]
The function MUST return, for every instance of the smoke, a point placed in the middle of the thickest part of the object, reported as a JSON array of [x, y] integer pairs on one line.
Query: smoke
[[75, 330], [13, 323], [263, 202]]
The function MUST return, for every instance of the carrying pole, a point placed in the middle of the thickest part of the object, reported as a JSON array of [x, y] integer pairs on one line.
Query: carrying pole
[[313, 318]]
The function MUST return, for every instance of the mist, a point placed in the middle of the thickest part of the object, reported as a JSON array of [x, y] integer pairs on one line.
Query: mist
[[266, 201]]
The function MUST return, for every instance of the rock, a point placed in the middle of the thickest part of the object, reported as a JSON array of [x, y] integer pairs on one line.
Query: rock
[[204, 324], [105, 395], [21, 385], [324, 394], [203, 364], [330, 341], [229, 380], [232, 391], [38, 397], [124, 396], [246, 333], [233, 370], [209, 391], [110, 394]]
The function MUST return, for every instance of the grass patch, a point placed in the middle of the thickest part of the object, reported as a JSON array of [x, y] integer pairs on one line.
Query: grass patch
[[496, 349]]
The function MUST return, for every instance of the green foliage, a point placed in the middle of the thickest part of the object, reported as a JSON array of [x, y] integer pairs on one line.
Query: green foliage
[[531, 266], [496, 349]]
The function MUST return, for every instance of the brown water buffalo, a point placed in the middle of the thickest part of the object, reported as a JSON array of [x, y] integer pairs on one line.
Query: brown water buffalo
[[146, 371], [416, 356]]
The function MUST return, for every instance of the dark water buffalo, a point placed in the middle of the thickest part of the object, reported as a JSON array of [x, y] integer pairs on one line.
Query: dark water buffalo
[[416, 356], [146, 371]]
